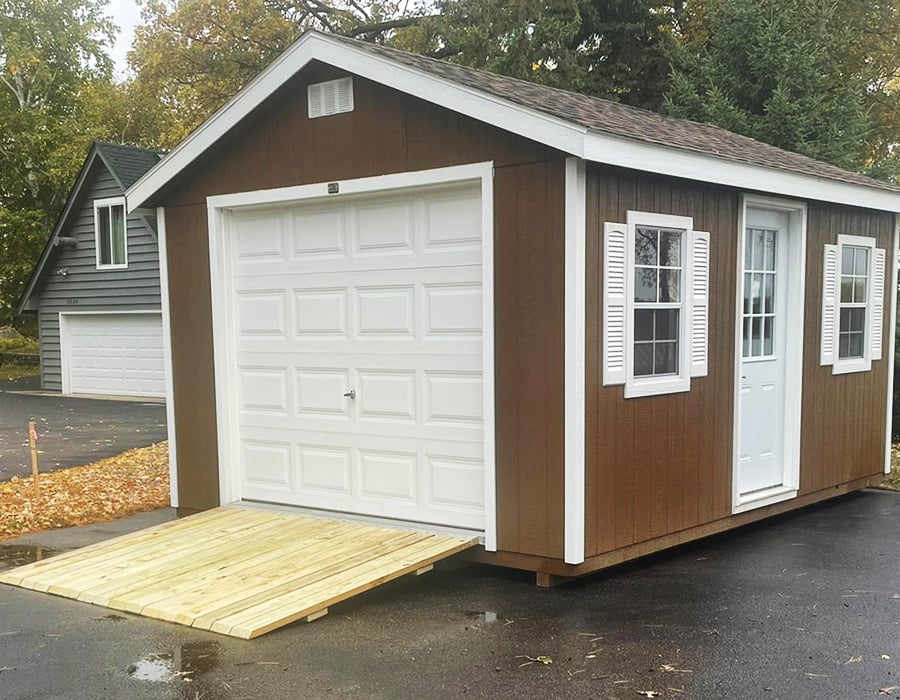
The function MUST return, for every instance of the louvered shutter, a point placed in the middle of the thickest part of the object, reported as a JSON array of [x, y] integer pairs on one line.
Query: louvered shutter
[[699, 303], [615, 240], [878, 276], [828, 351]]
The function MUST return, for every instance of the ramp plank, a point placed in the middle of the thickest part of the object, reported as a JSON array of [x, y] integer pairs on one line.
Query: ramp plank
[[238, 571]]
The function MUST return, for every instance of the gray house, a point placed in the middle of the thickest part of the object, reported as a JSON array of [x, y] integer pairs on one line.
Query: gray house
[[96, 287]]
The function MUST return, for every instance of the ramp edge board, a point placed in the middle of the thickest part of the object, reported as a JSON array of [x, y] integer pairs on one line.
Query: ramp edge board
[[238, 571]]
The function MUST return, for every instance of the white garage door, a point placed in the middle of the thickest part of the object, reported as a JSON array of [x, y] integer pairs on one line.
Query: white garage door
[[357, 348], [115, 354]]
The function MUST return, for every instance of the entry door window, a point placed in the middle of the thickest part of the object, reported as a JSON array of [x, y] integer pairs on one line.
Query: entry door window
[[760, 284]]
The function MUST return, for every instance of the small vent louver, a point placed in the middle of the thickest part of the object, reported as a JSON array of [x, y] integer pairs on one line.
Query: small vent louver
[[331, 97]]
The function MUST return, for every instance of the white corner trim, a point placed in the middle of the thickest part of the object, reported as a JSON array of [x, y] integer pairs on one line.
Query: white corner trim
[[575, 275], [219, 212], [167, 353], [555, 132], [795, 312], [891, 296]]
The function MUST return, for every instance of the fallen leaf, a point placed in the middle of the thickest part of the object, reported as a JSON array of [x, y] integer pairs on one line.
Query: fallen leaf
[[132, 482], [854, 660], [888, 691], [648, 693], [546, 660], [670, 668], [885, 657]]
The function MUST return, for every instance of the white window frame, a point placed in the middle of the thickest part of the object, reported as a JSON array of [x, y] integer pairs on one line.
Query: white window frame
[[864, 363], [109, 203], [669, 384]]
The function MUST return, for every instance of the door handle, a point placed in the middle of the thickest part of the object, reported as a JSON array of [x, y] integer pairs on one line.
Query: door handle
[[351, 394]]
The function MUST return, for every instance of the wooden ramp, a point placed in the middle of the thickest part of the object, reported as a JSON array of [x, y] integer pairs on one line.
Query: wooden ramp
[[237, 571]]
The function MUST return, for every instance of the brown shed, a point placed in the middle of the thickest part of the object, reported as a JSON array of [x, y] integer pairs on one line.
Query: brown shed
[[408, 290]]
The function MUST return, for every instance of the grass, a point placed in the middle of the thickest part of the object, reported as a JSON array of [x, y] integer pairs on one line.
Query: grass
[[22, 344], [11, 372]]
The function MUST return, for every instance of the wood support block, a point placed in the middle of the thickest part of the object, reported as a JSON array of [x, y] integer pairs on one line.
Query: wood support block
[[312, 617], [550, 580], [424, 569]]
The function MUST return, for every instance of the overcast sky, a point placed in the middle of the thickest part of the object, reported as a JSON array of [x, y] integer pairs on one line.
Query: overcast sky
[[126, 14]]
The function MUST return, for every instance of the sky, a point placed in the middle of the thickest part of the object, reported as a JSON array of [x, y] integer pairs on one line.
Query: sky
[[126, 14]]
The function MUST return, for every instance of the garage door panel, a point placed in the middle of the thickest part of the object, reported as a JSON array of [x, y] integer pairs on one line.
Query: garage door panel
[[381, 297], [115, 354]]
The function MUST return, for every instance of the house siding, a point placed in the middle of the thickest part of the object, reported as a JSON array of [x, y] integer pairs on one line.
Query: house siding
[[85, 288], [662, 465], [390, 132]]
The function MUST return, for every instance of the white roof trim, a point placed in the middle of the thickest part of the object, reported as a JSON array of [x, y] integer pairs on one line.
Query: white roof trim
[[543, 128]]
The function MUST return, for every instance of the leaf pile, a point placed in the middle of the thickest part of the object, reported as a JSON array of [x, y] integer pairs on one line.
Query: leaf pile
[[134, 481], [892, 480]]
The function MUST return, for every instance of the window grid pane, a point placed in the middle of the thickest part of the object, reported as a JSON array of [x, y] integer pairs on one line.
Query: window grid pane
[[854, 289], [658, 257], [760, 289]]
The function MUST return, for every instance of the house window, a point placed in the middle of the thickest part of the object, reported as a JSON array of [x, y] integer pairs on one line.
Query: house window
[[658, 300], [655, 289], [853, 303], [111, 233], [853, 281]]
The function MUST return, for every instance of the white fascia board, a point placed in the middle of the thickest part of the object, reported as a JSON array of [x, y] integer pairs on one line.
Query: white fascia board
[[677, 162], [542, 128]]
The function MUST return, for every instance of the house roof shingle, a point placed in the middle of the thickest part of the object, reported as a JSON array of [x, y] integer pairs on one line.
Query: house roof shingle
[[604, 116], [128, 163]]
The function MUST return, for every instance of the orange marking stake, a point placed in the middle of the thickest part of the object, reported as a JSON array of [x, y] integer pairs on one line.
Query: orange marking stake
[[32, 442]]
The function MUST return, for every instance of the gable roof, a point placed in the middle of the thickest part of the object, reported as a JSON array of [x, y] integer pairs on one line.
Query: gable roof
[[125, 163], [588, 127]]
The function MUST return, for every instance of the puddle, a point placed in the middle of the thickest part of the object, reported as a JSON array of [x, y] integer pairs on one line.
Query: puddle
[[187, 661], [13, 555], [487, 616]]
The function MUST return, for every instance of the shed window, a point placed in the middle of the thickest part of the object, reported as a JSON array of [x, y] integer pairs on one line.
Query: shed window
[[852, 304], [110, 231], [656, 274]]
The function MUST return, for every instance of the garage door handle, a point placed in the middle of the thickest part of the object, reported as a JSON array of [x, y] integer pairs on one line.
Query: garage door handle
[[351, 394]]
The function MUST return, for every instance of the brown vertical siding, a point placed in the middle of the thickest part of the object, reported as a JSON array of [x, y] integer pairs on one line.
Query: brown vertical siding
[[391, 132], [660, 464], [844, 417]]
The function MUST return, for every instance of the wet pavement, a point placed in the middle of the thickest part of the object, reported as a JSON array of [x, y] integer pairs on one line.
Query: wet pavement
[[71, 431], [803, 606]]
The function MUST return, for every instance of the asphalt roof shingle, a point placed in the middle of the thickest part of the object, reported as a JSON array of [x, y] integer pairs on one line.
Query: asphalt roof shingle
[[604, 116], [128, 163]]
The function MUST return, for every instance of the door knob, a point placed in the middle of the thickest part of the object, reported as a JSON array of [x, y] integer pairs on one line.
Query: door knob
[[351, 394]]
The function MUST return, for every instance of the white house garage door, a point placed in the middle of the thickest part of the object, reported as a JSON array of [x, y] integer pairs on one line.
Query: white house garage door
[[356, 331], [115, 354]]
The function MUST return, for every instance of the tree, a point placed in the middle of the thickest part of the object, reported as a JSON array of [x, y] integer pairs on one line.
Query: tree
[[192, 56], [794, 73], [49, 51], [617, 49]]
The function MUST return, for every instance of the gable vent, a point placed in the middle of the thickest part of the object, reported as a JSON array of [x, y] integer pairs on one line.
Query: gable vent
[[331, 97]]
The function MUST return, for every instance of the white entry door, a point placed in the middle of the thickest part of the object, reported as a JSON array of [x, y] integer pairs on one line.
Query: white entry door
[[112, 353], [357, 347], [764, 338]]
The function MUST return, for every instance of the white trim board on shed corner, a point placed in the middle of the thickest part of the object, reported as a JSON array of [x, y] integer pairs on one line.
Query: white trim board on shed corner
[[567, 137], [223, 209]]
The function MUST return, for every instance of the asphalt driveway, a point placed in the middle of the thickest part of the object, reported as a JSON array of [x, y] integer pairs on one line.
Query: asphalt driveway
[[71, 431], [803, 606]]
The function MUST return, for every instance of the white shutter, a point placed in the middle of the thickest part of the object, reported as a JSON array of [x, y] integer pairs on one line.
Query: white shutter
[[699, 303], [878, 275], [828, 351], [330, 97], [615, 240]]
